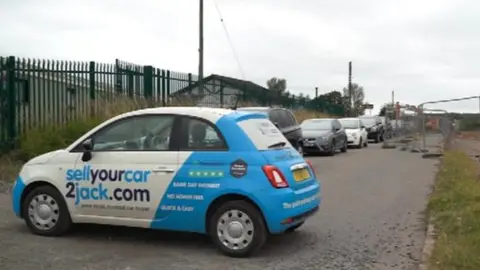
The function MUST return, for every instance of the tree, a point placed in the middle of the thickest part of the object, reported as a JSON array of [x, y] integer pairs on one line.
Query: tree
[[386, 110], [277, 85], [357, 99], [334, 98]]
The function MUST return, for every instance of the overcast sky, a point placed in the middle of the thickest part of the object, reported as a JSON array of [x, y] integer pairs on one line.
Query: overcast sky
[[424, 50]]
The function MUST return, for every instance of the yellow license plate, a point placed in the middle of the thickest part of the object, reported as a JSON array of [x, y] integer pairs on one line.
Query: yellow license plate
[[301, 175]]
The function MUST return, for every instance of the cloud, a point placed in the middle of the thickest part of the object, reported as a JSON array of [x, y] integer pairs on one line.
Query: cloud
[[423, 50]]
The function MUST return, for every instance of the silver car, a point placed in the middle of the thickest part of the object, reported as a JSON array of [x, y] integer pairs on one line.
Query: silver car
[[323, 135]]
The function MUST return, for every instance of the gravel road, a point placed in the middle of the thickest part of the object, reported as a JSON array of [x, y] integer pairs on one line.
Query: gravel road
[[371, 218]]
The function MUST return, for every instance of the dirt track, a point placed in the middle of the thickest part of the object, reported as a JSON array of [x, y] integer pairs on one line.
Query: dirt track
[[371, 217]]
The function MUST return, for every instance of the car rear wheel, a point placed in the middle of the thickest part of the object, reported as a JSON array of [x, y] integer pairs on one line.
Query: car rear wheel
[[237, 229], [344, 147], [45, 212], [294, 228], [331, 149]]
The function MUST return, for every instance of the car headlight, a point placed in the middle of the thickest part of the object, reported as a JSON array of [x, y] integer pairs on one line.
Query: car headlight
[[374, 129], [324, 138], [354, 135]]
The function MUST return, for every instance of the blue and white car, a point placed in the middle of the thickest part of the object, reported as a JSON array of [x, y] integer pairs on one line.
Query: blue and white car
[[229, 174]]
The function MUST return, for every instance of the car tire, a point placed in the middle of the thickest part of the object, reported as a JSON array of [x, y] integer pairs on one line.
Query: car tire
[[331, 149], [345, 147], [360, 144], [45, 212], [294, 228], [365, 144], [382, 137], [242, 215], [377, 138]]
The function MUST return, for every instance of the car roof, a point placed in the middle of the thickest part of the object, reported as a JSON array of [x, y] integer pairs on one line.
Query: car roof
[[212, 114], [349, 118], [207, 113]]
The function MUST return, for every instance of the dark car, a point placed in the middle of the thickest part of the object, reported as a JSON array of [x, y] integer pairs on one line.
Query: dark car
[[323, 135], [285, 122], [375, 128]]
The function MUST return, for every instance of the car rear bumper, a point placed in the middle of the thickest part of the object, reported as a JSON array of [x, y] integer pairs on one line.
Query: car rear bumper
[[373, 135], [285, 208], [352, 140], [316, 148]]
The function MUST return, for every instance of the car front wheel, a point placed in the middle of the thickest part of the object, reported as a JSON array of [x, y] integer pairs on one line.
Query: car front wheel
[[237, 229], [45, 212]]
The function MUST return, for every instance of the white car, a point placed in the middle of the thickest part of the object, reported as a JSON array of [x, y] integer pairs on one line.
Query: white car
[[228, 174], [356, 132]]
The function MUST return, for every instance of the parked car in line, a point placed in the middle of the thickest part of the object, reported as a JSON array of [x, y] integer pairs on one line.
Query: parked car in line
[[374, 127], [284, 120], [356, 132], [230, 175], [323, 135]]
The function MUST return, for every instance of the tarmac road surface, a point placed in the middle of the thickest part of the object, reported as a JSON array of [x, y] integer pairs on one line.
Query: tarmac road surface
[[370, 218]]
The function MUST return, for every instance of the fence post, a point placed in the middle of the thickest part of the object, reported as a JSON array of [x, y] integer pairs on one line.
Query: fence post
[[163, 87], [168, 88], [11, 102], [148, 83], [221, 94], [91, 80]]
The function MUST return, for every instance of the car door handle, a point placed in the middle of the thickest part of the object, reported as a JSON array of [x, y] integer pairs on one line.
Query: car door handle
[[164, 170]]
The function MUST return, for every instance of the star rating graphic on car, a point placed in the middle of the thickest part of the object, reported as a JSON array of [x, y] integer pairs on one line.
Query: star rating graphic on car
[[204, 173]]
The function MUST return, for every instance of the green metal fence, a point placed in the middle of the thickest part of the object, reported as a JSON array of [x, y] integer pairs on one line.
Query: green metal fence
[[36, 93]]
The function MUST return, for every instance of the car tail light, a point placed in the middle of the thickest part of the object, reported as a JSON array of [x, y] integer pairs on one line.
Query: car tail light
[[311, 167], [275, 176]]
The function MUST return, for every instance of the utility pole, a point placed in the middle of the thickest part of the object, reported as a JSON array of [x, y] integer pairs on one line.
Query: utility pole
[[350, 96], [316, 92], [200, 50]]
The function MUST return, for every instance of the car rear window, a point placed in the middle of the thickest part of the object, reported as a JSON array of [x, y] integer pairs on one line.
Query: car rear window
[[263, 133]]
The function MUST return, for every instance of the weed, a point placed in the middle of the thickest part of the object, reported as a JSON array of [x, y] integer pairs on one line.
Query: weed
[[455, 206]]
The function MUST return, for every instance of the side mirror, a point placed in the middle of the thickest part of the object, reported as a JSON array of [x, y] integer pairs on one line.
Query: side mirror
[[362, 127], [88, 147], [276, 124]]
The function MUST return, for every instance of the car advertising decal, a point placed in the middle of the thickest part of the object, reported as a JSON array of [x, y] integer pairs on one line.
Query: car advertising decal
[[238, 168], [96, 181]]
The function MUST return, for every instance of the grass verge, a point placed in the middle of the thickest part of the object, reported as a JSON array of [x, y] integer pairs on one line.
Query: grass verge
[[455, 207]]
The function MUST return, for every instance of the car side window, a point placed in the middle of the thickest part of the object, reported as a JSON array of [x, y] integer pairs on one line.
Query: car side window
[[202, 136], [139, 133], [289, 119], [275, 117], [337, 125], [284, 119], [293, 119]]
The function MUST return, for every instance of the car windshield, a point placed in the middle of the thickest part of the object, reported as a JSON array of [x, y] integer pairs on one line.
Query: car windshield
[[369, 121], [317, 125], [350, 123]]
